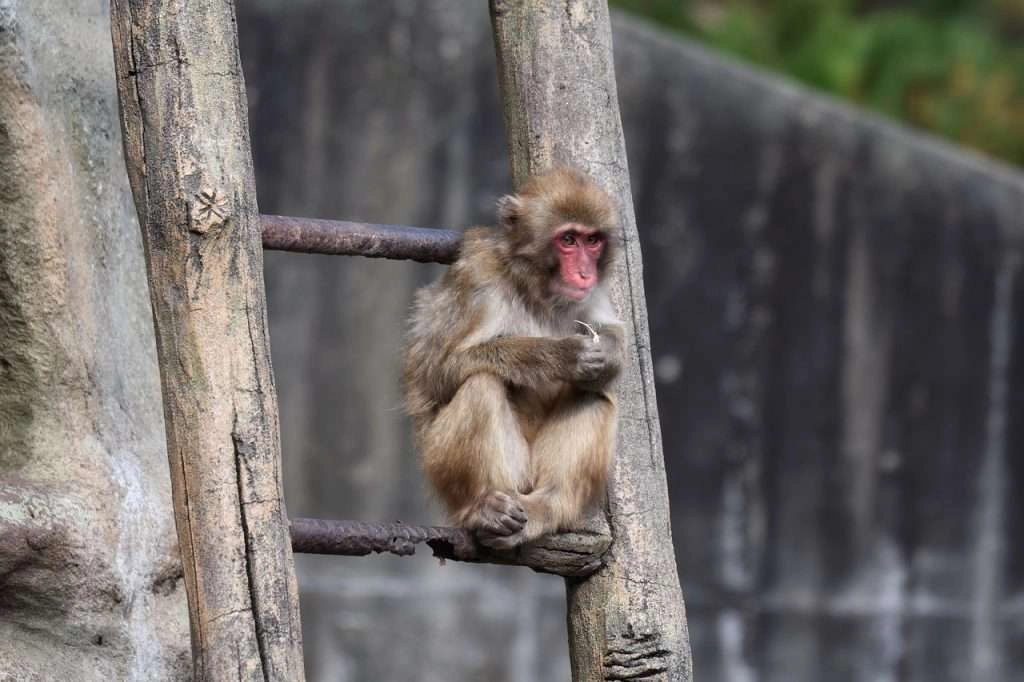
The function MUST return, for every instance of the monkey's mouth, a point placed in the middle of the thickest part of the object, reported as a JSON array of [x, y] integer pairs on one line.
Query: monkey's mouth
[[570, 292]]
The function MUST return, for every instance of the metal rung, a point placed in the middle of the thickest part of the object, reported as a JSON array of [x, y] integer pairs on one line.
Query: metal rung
[[358, 538], [573, 554], [344, 238]]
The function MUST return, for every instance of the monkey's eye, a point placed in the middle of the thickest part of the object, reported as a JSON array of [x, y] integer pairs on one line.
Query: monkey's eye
[[594, 239], [569, 239]]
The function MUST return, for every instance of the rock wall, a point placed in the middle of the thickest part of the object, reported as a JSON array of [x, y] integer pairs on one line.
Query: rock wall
[[90, 581]]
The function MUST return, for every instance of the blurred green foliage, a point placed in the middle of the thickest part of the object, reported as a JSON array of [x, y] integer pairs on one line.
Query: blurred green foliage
[[955, 67]]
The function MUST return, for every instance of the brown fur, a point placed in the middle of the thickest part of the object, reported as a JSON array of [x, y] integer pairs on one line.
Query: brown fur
[[509, 397]]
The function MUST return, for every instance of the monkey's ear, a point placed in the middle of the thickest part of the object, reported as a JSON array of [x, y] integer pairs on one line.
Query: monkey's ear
[[509, 209]]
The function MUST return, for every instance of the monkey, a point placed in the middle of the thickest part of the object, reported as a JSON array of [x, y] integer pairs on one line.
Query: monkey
[[509, 363]]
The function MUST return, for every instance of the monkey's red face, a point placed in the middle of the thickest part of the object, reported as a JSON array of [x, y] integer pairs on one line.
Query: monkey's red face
[[579, 251]]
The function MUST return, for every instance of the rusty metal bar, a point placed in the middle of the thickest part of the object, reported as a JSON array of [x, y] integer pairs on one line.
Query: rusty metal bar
[[569, 554], [358, 538], [344, 238]]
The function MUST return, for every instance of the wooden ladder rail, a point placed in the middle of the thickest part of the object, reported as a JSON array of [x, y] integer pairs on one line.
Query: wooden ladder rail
[[187, 150]]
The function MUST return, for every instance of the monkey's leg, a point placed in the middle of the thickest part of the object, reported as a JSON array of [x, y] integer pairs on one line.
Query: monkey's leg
[[477, 458], [569, 464]]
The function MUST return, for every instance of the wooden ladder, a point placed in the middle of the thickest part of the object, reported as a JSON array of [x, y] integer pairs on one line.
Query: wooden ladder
[[187, 150]]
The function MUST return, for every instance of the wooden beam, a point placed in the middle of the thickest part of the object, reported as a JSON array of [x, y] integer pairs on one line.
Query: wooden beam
[[186, 144], [627, 620]]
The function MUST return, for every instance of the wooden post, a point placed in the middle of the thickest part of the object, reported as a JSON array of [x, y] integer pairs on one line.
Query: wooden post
[[627, 621], [186, 141]]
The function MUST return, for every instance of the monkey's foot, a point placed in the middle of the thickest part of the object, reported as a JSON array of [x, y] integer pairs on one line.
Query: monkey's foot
[[502, 519]]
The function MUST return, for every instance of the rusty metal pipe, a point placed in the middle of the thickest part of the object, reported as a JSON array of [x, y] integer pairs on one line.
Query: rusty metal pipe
[[572, 555], [344, 238], [359, 538]]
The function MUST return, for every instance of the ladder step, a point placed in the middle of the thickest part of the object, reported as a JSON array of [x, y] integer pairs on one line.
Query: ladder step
[[359, 538], [574, 554], [344, 238]]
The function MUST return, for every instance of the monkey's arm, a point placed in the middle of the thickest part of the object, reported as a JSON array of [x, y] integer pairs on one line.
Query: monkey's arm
[[528, 361]]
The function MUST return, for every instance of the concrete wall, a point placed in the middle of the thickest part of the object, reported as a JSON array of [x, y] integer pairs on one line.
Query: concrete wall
[[835, 306]]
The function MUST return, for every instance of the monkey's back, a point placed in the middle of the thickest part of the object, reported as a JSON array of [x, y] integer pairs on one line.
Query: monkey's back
[[444, 314]]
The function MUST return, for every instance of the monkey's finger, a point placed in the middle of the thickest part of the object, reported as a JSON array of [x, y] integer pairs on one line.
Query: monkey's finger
[[501, 524], [512, 524], [506, 523], [502, 543], [493, 539], [517, 512], [492, 527]]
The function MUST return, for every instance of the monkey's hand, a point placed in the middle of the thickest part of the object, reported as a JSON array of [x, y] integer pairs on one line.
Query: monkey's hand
[[597, 362], [500, 517]]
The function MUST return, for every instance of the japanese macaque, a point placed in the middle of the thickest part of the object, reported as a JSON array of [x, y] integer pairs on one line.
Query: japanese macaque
[[509, 363]]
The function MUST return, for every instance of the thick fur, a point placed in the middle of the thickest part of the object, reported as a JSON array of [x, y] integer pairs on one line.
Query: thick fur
[[509, 396]]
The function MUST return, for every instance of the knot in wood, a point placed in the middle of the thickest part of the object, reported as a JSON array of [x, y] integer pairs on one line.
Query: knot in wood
[[635, 655], [209, 210]]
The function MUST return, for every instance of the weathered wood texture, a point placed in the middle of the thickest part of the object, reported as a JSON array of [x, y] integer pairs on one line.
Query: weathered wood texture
[[186, 140], [560, 107], [90, 579]]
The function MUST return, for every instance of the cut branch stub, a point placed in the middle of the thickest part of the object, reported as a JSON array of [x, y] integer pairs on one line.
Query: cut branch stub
[[209, 210]]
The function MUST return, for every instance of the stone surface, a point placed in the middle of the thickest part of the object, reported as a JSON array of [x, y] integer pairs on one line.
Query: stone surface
[[835, 311], [90, 582]]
